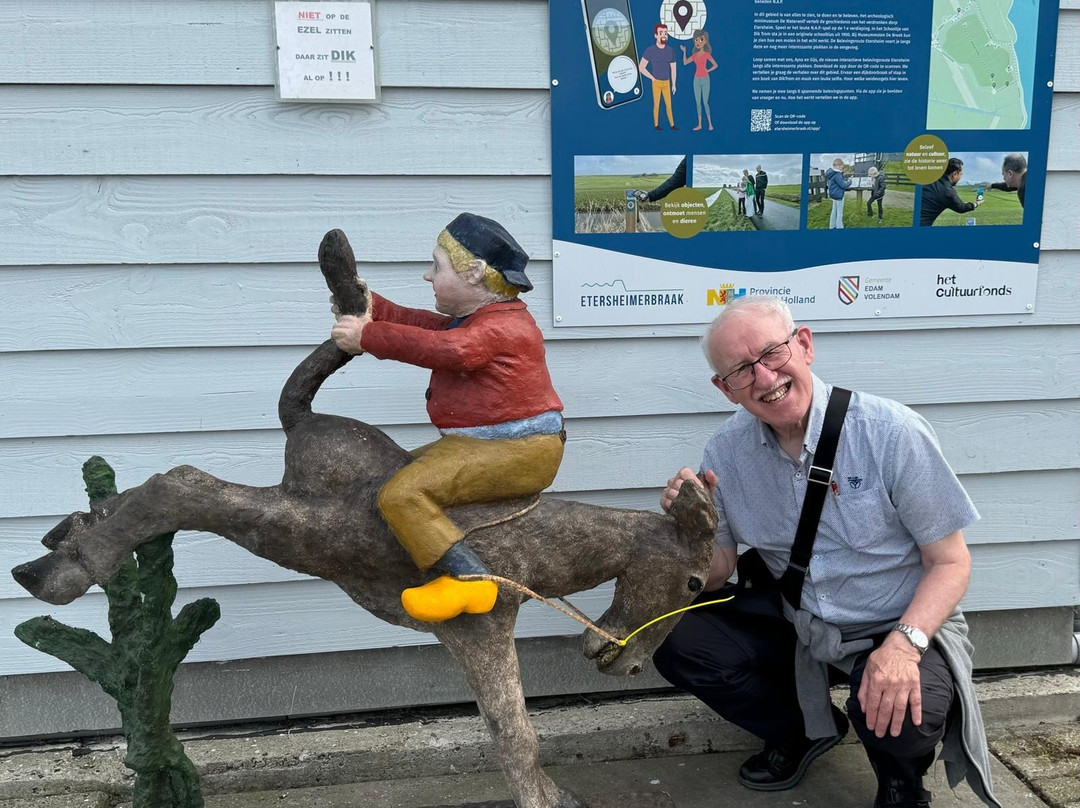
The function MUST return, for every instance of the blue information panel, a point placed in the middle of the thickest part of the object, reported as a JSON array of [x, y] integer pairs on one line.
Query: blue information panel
[[884, 158]]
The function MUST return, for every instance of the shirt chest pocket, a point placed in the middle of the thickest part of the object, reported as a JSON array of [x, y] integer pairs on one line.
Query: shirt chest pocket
[[861, 518]]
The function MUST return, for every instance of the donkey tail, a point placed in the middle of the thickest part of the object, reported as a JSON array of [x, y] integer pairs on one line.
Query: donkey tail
[[338, 265]]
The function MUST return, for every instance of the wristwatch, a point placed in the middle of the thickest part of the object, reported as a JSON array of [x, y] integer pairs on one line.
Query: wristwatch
[[915, 636]]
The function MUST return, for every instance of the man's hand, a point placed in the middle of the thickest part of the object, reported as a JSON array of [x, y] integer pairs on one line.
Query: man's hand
[[641, 196], [891, 685], [676, 482], [347, 332]]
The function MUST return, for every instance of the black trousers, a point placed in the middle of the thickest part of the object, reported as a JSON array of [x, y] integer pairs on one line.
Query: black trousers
[[742, 666], [870, 206]]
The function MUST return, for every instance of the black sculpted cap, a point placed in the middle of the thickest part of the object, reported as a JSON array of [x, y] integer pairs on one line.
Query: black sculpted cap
[[485, 238]]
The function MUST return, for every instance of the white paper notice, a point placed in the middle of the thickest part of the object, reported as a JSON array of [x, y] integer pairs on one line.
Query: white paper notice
[[325, 51]]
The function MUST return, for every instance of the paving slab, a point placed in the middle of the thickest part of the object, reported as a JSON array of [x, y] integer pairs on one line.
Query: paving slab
[[1047, 756], [95, 799], [840, 779], [423, 760]]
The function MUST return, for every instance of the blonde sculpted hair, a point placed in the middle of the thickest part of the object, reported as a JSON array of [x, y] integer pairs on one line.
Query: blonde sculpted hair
[[464, 262]]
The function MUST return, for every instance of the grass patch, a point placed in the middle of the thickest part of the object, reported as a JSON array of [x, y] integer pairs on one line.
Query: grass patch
[[998, 207], [608, 192], [724, 216], [894, 213], [788, 195]]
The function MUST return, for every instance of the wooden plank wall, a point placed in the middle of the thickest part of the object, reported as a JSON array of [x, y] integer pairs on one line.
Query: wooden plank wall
[[159, 217]]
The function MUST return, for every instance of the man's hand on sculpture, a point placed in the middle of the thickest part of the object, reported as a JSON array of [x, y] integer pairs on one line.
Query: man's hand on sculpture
[[348, 330], [890, 686], [676, 482]]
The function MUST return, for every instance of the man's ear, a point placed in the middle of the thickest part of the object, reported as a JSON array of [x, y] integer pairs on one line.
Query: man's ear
[[723, 388], [806, 340]]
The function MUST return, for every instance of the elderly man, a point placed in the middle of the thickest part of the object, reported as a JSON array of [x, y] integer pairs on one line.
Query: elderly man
[[1014, 174], [878, 607]]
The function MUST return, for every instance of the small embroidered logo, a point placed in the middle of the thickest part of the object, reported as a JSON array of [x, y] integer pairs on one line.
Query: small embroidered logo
[[854, 482]]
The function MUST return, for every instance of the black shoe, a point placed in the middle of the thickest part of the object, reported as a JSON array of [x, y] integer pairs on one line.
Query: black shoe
[[779, 767], [898, 792], [674, 128], [460, 561]]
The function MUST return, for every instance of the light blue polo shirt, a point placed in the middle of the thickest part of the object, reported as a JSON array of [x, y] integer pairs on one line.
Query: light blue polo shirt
[[893, 492]]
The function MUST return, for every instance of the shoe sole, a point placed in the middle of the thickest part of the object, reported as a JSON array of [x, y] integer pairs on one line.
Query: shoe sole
[[816, 751]]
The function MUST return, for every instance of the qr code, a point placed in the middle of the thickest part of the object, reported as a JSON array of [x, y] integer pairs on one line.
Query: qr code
[[761, 120]]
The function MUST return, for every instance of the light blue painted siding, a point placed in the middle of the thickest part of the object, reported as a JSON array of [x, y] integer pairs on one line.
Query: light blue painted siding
[[159, 217]]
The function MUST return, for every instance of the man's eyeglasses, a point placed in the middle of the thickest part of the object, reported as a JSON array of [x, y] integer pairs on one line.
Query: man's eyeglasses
[[743, 376]]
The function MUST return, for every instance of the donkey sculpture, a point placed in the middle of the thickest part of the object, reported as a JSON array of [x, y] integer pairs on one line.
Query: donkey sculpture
[[322, 520]]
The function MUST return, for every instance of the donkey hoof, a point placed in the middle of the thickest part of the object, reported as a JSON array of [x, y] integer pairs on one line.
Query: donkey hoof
[[53, 578]]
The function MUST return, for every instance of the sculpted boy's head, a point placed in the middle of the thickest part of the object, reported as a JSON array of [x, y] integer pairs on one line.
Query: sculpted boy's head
[[471, 238], [488, 265]]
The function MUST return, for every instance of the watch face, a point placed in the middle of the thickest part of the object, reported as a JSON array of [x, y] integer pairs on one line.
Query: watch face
[[916, 635]]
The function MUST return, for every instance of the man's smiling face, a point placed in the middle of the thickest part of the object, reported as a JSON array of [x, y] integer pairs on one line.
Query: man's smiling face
[[780, 398]]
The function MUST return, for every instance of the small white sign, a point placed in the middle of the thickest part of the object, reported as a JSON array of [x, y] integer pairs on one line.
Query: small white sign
[[325, 51]]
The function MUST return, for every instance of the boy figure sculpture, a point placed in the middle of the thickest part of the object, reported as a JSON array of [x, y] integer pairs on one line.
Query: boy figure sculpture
[[490, 397]]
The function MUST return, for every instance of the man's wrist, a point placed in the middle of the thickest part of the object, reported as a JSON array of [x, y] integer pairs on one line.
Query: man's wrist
[[914, 636], [899, 644]]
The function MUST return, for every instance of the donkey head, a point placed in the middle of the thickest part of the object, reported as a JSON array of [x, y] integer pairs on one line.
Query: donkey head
[[668, 571]]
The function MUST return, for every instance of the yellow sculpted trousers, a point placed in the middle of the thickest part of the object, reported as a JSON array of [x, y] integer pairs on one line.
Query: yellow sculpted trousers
[[661, 88], [459, 470]]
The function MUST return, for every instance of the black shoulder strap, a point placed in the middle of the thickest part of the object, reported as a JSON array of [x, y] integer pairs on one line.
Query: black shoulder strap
[[818, 482]]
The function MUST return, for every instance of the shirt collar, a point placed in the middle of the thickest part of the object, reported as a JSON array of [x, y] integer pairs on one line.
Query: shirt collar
[[813, 428], [506, 305], [817, 414]]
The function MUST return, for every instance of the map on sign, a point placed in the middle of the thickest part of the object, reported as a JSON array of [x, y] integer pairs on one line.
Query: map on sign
[[982, 62], [611, 31]]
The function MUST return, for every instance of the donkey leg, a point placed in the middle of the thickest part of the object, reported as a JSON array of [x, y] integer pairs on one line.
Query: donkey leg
[[89, 547], [484, 647]]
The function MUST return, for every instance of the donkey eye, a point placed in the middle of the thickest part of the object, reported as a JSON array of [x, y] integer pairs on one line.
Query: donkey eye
[[694, 584]]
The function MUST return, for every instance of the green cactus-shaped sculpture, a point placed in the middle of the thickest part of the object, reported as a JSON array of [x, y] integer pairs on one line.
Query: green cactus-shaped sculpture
[[138, 666]]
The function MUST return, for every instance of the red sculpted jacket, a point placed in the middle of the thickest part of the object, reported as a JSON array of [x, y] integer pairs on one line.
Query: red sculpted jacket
[[487, 370]]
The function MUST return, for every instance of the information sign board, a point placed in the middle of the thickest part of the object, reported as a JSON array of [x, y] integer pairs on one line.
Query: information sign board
[[702, 151]]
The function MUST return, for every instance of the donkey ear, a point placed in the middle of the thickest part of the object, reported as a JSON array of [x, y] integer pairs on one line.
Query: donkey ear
[[694, 512]]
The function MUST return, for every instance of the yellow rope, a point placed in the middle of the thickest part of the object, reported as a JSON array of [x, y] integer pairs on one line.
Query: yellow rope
[[579, 616]]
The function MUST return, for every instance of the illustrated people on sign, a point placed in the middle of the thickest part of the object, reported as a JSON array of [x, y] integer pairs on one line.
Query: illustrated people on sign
[[877, 193], [836, 184], [942, 194], [1014, 174], [740, 191], [490, 397], [676, 180], [701, 58], [878, 608], [662, 75], [761, 182]]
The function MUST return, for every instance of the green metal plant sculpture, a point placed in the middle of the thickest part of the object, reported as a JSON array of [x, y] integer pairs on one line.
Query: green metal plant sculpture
[[138, 666]]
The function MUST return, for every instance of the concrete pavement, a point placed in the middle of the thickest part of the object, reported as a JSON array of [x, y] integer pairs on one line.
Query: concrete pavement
[[665, 749]]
